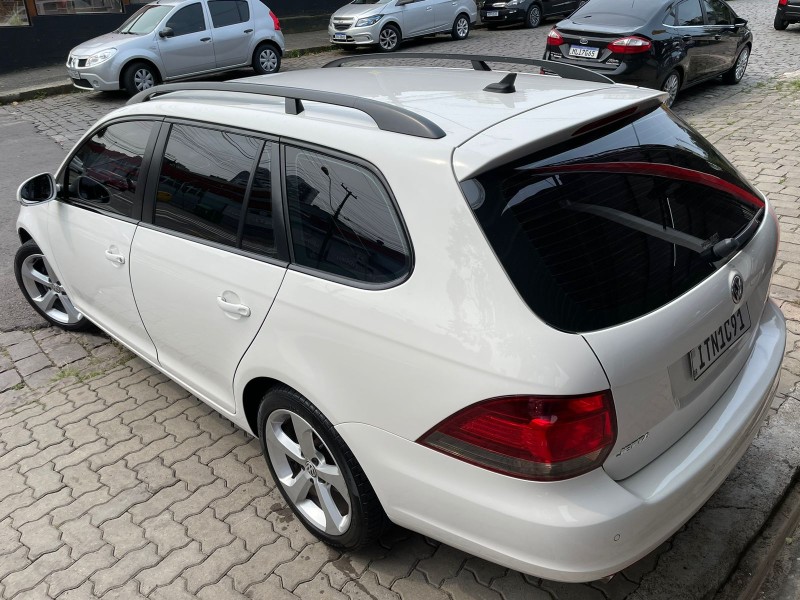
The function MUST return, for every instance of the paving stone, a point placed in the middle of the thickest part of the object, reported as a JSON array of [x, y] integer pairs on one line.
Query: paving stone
[[81, 506], [11, 483], [82, 537], [367, 587], [36, 571], [169, 568], [254, 530], [416, 587], [42, 378], [445, 563], [401, 560], [113, 431], [464, 585], [222, 446], [48, 434], [199, 500], [514, 586], [211, 570], [66, 354], [35, 460], [193, 472], [155, 475], [485, 572], [9, 379], [14, 562], [165, 533], [270, 590], [239, 498], [566, 591], [9, 338], [16, 501], [174, 591], [306, 564], [123, 535], [171, 391], [347, 567], [37, 593], [9, 537], [261, 564], [150, 451], [81, 479], [129, 591], [232, 470], [22, 350], [79, 571], [5, 362], [124, 569], [43, 506], [186, 449], [36, 362], [118, 504], [159, 502], [40, 537], [181, 427], [317, 588], [114, 456], [216, 426], [14, 437], [207, 530], [80, 454]]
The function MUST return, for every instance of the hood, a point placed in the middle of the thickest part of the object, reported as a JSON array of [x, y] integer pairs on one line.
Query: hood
[[360, 10], [104, 42]]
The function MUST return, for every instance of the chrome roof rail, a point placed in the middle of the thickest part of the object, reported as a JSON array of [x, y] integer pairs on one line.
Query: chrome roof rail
[[479, 63], [387, 117]]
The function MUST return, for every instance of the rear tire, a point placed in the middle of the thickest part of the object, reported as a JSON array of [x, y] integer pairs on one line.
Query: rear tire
[[533, 18], [311, 463], [460, 27], [139, 76], [266, 59], [736, 72], [780, 24], [389, 38], [671, 85]]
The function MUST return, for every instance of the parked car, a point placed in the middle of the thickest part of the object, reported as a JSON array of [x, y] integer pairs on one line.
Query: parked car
[[525, 315], [667, 44], [386, 23], [788, 13], [179, 39], [530, 12]]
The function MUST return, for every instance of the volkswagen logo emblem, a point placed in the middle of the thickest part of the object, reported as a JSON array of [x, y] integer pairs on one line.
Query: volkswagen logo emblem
[[737, 288], [584, 41]]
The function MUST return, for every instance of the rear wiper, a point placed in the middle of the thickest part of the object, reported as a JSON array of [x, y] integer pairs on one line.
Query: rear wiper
[[707, 249]]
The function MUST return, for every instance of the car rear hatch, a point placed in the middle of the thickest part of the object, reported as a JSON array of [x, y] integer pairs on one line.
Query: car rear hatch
[[638, 235]]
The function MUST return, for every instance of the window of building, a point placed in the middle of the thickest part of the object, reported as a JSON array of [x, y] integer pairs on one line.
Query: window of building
[[13, 13], [72, 7]]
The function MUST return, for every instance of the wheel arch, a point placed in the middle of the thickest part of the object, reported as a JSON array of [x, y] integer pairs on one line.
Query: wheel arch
[[254, 391], [271, 42], [24, 236], [137, 59]]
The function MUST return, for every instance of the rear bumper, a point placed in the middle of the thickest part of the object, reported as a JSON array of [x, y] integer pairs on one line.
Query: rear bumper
[[642, 71], [789, 13], [583, 528]]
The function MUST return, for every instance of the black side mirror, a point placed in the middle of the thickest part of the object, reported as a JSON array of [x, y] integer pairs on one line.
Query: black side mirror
[[739, 22], [92, 191], [37, 189], [166, 32]]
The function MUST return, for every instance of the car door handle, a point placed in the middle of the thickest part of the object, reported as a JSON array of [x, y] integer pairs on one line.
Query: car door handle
[[429, 8], [236, 309], [687, 38], [717, 37], [117, 259], [205, 39], [248, 31]]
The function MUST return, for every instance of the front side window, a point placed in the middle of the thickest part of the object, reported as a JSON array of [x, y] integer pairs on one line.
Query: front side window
[[690, 14], [342, 219], [228, 12], [104, 172], [203, 182], [187, 20]]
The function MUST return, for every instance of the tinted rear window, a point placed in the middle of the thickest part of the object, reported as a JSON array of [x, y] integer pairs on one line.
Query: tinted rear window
[[603, 232], [616, 13]]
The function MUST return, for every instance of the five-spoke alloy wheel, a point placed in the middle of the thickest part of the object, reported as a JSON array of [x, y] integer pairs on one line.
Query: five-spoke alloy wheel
[[671, 85]]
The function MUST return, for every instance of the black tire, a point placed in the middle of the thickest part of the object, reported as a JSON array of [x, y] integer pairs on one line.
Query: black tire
[[734, 75], [672, 78], [461, 27], [389, 38], [138, 77], [30, 256], [779, 23], [367, 519], [533, 18], [266, 59]]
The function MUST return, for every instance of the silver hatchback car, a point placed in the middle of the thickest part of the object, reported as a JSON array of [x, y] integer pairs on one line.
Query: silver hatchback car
[[387, 22], [179, 39]]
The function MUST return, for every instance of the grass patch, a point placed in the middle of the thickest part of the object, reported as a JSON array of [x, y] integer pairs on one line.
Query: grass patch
[[19, 386], [64, 373]]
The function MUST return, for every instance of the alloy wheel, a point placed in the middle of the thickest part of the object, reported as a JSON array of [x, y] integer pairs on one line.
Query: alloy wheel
[[534, 16], [268, 60], [388, 39], [741, 63], [462, 27], [308, 472], [670, 86], [46, 292], [143, 79]]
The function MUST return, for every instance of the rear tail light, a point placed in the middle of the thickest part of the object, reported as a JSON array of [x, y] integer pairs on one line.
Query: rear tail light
[[554, 38], [630, 45], [275, 21], [783, 2], [543, 438]]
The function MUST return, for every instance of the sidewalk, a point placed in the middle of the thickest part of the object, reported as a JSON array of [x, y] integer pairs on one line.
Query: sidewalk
[[52, 79]]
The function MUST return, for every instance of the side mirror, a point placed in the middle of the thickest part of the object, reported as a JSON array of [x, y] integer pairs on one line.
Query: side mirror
[[404, 2], [92, 191], [739, 22], [37, 189], [166, 32]]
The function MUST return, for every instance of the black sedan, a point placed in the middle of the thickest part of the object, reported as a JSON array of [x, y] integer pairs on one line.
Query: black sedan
[[529, 12], [662, 44], [788, 12]]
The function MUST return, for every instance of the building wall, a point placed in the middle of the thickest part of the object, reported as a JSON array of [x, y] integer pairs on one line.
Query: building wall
[[49, 38]]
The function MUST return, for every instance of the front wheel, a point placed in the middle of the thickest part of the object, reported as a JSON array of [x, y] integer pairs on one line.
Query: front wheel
[[389, 38], [460, 28], [736, 72], [671, 85], [779, 23], [533, 18], [266, 59], [139, 77], [43, 291], [316, 472]]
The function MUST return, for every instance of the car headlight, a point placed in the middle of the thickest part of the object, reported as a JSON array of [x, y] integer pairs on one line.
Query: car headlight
[[100, 57], [512, 2], [367, 21]]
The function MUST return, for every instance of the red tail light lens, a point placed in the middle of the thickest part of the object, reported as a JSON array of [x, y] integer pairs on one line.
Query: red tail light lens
[[554, 38], [542, 438], [783, 2], [630, 45], [275, 21]]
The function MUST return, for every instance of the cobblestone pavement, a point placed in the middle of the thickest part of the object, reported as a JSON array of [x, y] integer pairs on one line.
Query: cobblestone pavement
[[116, 483]]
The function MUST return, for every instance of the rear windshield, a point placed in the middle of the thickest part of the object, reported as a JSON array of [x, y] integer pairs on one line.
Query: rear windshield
[[609, 12], [602, 232]]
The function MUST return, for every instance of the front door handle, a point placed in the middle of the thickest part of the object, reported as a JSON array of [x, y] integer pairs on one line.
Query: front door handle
[[117, 259], [205, 39], [248, 31], [687, 38], [429, 8], [718, 37], [230, 307]]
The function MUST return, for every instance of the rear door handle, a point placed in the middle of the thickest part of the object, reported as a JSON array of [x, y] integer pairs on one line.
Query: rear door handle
[[236, 309], [429, 8], [687, 38], [205, 39], [717, 37], [117, 259], [248, 31]]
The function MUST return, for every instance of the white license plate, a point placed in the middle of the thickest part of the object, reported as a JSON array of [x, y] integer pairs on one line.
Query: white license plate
[[582, 52], [702, 356], [340, 36], [74, 74], [492, 13]]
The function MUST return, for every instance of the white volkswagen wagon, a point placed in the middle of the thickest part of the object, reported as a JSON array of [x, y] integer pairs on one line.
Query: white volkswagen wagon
[[527, 315]]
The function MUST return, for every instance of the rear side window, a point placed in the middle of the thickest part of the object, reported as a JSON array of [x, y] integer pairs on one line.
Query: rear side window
[[342, 219], [187, 20], [605, 232], [689, 13], [717, 13], [228, 12]]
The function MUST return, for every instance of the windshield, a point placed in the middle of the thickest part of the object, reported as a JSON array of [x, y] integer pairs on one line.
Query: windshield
[[145, 19]]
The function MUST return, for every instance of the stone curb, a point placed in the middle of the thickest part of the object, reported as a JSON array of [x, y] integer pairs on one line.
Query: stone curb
[[36, 92]]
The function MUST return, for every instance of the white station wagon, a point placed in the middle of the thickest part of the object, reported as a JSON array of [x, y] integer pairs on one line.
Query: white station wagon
[[525, 315]]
